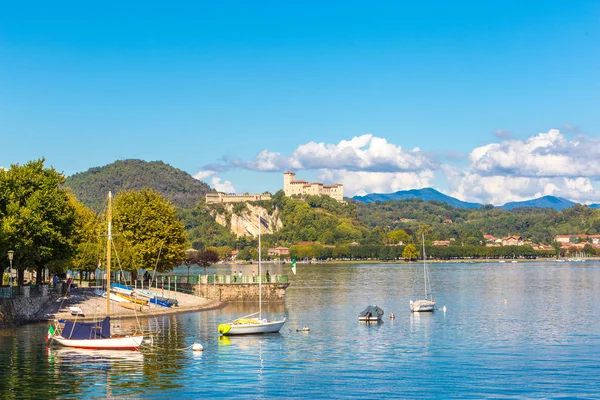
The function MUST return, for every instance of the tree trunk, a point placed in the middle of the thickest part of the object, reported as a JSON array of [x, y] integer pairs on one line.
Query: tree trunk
[[39, 271], [20, 276]]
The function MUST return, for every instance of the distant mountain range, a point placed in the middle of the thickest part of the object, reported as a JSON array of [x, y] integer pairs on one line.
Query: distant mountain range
[[426, 194], [557, 203], [429, 194]]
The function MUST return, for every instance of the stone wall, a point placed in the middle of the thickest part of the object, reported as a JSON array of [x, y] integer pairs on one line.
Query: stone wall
[[241, 292], [22, 310]]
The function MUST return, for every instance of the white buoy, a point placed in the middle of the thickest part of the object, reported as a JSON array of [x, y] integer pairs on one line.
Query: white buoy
[[197, 347], [444, 309]]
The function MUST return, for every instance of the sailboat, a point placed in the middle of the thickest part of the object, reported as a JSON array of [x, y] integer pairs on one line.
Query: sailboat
[[95, 335], [247, 325], [428, 303]]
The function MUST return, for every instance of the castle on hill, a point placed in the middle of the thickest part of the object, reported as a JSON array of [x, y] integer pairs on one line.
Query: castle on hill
[[291, 186]]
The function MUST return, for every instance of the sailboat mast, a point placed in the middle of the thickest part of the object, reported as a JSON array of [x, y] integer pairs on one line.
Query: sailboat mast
[[109, 239], [259, 274], [424, 264]]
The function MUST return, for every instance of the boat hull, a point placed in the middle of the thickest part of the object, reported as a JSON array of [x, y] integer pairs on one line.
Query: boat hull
[[116, 343], [113, 296], [369, 319], [251, 329], [132, 299], [422, 306]]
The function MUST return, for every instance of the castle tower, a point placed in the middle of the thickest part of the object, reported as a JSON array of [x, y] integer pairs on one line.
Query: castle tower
[[288, 177]]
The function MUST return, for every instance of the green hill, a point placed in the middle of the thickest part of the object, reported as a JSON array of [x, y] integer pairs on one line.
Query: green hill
[[177, 186]]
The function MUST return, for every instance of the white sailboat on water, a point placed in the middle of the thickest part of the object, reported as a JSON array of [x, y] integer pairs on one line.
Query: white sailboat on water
[[247, 325], [96, 334], [428, 303]]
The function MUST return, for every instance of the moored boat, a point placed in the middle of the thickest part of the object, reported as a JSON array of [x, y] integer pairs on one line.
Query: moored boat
[[371, 314], [426, 304], [246, 325], [96, 334]]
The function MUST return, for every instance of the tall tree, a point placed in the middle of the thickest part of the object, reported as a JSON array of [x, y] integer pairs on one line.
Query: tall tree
[[147, 225], [90, 248], [206, 258], [37, 217], [410, 252]]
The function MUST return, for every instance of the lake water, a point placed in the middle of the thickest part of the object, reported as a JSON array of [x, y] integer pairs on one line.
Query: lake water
[[525, 330]]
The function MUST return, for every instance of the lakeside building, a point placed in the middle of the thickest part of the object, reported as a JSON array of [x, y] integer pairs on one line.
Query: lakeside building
[[292, 186], [512, 241], [563, 238], [278, 251], [235, 198]]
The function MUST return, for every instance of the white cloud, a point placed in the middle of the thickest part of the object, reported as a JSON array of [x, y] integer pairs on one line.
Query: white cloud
[[544, 155], [216, 182], [202, 175], [363, 182], [509, 170], [361, 153], [225, 186], [544, 164]]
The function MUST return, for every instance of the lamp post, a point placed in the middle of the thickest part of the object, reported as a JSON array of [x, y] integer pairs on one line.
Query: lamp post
[[10, 258]]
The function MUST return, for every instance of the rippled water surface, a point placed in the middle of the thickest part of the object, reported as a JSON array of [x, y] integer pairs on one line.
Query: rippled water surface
[[510, 330]]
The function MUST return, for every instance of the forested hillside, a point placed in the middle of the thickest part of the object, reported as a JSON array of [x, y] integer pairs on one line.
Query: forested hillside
[[446, 222], [179, 187], [324, 220]]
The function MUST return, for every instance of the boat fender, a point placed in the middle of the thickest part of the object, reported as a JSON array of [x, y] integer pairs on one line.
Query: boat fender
[[197, 347], [224, 328]]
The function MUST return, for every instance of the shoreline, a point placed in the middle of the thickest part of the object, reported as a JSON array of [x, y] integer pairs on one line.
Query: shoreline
[[93, 306]]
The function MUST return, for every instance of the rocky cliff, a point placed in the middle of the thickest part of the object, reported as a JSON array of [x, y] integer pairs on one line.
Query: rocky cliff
[[245, 223]]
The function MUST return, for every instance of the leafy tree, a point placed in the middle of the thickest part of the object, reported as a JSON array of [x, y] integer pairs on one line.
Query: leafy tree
[[191, 258], [556, 245], [206, 258], [90, 245], [410, 252], [37, 218], [148, 225], [399, 235]]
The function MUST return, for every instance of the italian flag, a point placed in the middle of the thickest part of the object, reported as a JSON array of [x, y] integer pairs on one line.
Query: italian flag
[[294, 265], [50, 333]]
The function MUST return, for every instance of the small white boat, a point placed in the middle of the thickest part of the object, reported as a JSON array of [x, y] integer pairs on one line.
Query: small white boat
[[251, 326], [422, 305], [111, 343], [428, 303]]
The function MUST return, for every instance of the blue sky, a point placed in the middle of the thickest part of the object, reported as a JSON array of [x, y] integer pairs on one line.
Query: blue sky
[[485, 101]]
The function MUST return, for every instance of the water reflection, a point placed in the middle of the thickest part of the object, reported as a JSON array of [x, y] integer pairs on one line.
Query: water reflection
[[481, 343]]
